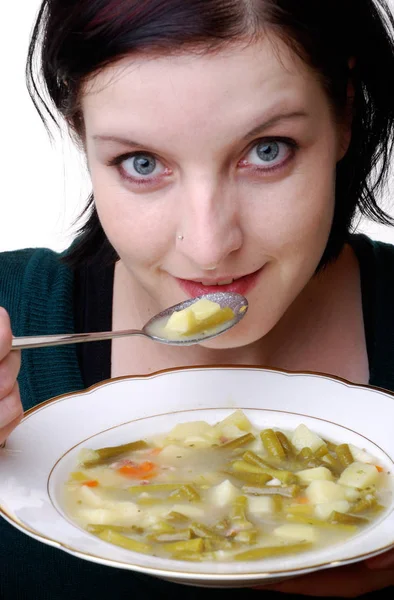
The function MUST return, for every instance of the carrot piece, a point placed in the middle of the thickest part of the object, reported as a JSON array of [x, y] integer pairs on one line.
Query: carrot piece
[[91, 483], [302, 500], [155, 451], [379, 469], [142, 471], [147, 466]]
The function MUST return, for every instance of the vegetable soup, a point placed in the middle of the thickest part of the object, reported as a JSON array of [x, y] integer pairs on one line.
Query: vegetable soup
[[226, 492]]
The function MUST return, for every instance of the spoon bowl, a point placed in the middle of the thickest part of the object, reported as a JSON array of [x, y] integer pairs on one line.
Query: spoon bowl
[[155, 327], [153, 330]]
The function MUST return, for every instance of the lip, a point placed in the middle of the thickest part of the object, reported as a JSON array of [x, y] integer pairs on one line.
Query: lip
[[242, 285]]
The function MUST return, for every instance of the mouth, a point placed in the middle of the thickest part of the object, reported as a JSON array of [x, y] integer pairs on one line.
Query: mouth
[[239, 285]]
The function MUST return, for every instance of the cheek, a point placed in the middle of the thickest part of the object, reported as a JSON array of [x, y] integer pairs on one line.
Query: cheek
[[141, 229], [296, 214]]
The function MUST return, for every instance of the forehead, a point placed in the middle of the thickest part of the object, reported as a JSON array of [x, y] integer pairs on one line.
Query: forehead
[[198, 89]]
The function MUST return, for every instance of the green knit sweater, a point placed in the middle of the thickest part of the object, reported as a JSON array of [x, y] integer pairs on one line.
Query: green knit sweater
[[37, 290]]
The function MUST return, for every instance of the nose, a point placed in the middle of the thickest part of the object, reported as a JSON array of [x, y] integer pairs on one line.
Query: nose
[[209, 226]]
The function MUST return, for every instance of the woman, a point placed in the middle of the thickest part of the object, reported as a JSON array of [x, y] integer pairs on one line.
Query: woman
[[229, 143]]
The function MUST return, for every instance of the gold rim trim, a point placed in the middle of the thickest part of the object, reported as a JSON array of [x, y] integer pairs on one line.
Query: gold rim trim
[[188, 574]]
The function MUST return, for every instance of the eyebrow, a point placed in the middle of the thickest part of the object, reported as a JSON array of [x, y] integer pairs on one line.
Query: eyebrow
[[275, 120], [250, 135]]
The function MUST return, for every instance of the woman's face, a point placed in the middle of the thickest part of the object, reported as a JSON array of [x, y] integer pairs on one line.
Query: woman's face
[[215, 170]]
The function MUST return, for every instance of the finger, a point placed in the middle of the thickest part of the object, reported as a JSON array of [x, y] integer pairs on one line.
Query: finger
[[345, 582], [5, 333], [9, 369], [10, 410], [383, 561], [4, 433]]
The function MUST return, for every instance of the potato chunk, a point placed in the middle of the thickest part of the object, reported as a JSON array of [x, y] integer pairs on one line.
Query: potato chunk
[[261, 505], [204, 308], [181, 321], [197, 318], [316, 473], [320, 492], [359, 475], [237, 418], [323, 511], [305, 438], [223, 494]]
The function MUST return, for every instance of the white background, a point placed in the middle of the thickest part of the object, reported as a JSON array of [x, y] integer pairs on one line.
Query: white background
[[45, 185]]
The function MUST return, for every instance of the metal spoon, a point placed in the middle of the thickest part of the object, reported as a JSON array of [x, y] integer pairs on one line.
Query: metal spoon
[[152, 329]]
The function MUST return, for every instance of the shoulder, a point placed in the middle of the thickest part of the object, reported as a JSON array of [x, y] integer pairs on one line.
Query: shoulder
[[376, 261], [381, 251]]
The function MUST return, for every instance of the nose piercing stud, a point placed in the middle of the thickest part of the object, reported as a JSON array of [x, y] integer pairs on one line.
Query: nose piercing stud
[[180, 237]]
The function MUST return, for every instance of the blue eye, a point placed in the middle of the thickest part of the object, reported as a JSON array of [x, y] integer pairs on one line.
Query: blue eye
[[267, 151], [141, 169], [140, 164], [269, 154]]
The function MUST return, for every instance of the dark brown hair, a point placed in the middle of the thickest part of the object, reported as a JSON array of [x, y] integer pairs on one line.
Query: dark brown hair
[[342, 40]]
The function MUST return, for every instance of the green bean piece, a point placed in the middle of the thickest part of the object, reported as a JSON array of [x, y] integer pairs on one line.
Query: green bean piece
[[124, 542], [175, 536], [286, 444], [272, 444], [344, 455], [244, 467], [305, 455], [307, 458], [103, 455], [365, 504], [217, 544], [289, 491], [161, 526], [321, 451], [190, 556], [318, 523], [239, 506], [246, 536], [238, 514], [337, 517], [278, 503], [128, 529], [243, 440], [330, 445], [78, 476], [177, 517], [187, 492], [255, 478], [301, 509], [202, 531], [154, 488], [256, 459], [194, 545], [270, 551], [332, 463], [286, 477]]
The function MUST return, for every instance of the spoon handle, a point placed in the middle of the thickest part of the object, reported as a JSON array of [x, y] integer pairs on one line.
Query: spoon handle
[[42, 341]]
